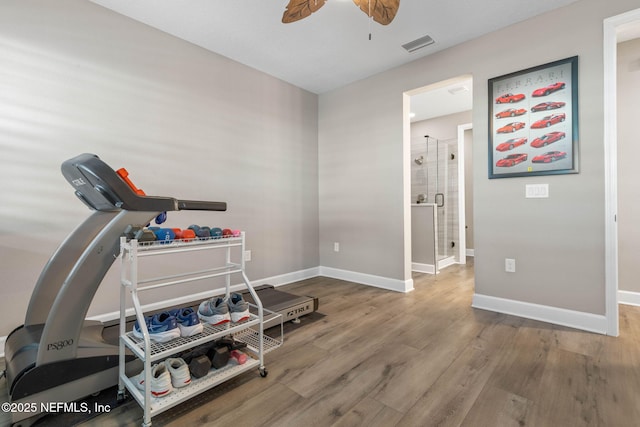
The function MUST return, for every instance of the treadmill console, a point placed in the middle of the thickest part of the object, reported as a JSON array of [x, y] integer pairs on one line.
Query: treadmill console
[[103, 189]]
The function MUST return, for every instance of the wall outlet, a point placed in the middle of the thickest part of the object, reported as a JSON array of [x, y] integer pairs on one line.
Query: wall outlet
[[510, 265], [247, 255], [336, 247]]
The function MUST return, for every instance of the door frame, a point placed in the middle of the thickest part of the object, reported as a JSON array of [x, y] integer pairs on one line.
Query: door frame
[[406, 176], [462, 222], [611, 27]]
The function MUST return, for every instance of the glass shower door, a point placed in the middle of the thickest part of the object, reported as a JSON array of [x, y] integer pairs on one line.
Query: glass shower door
[[434, 180], [442, 190]]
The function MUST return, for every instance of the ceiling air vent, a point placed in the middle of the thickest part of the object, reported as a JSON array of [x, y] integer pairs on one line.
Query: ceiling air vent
[[418, 43]]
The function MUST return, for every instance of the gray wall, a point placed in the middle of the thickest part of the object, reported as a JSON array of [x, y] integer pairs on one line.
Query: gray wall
[[558, 242], [628, 175], [185, 122]]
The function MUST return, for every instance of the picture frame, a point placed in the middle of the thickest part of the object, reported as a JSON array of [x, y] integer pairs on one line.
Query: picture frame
[[533, 121]]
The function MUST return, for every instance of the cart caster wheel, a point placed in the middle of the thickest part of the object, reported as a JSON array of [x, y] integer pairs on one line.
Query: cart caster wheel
[[263, 372]]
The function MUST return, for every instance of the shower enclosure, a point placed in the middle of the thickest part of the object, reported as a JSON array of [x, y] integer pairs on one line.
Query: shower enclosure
[[434, 176]]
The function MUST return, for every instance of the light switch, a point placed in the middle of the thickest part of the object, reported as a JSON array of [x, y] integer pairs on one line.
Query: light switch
[[537, 191]]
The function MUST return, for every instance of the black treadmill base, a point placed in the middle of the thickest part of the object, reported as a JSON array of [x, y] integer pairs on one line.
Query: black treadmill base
[[290, 306]]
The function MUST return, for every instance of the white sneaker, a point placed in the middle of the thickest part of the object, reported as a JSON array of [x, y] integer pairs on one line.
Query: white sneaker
[[160, 380], [214, 311], [238, 308], [179, 370]]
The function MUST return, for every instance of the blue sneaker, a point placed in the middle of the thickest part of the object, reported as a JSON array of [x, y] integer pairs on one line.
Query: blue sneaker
[[188, 321], [162, 327]]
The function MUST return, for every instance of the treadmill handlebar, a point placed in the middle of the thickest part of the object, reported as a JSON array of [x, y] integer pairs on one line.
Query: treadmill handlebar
[[102, 189], [197, 205]]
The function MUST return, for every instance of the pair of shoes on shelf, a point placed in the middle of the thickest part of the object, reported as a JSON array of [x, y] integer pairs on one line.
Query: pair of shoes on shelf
[[165, 376], [218, 310], [162, 327], [165, 326]]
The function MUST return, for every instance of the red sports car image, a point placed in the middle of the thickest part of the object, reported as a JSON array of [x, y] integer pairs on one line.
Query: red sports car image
[[544, 91], [511, 127], [547, 106], [509, 97], [547, 139], [547, 121], [549, 156], [510, 112], [510, 144], [511, 160]]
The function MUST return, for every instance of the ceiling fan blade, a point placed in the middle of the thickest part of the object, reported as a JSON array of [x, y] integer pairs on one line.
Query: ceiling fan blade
[[299, 9], [382, 11]]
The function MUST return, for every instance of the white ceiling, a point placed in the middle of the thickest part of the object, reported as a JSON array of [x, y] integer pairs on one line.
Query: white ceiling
[[331, 48], [443, 98]]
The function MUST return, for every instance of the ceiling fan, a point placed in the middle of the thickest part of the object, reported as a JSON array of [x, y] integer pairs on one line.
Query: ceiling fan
[[382, 11]]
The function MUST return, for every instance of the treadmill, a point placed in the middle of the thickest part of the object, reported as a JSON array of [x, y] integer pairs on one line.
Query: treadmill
[[57, 355], [291, 307]]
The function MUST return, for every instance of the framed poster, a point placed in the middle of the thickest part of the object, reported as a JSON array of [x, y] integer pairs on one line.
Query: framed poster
[[533, 121]]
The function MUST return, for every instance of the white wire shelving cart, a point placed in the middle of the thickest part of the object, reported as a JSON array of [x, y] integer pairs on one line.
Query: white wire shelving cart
[[250, 331]]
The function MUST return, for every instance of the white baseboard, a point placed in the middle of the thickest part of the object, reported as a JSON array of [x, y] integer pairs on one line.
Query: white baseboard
[[423, 268], [629, 298], [471, 252], [368, 279], [559, 316], [285, 279], [446, 262]]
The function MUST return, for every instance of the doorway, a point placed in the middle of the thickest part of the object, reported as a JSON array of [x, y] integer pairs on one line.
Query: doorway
[[434, 141], [615, 29]]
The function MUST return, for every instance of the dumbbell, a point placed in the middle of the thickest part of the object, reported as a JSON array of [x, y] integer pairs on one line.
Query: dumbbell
[[227, 232], [219, 356], [216, 232], [199, 366], [201, 232], [187, 234], [239, 356], [143, 235], [131, 230], [164, 235]]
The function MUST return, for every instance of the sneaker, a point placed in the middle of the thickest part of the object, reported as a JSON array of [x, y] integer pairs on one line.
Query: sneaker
[[238, 307], [160, 380], [179, 371], [162, 327], [214, 311], [188, 321]]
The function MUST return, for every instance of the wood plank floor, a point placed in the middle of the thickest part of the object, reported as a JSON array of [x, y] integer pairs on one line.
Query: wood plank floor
[[426, 358]]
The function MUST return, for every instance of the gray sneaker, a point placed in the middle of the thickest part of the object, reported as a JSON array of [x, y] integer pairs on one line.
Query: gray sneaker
[[214, 311], [238, 307]]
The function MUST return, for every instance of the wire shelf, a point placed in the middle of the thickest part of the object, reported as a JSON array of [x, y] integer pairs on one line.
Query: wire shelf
[[210, 332]]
